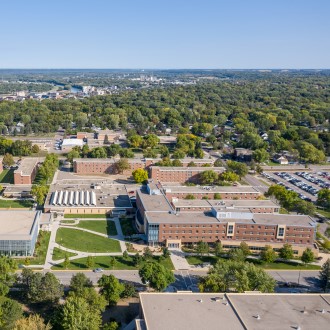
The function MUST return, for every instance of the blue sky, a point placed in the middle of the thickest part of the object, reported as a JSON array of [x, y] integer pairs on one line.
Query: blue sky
[[165, 34]]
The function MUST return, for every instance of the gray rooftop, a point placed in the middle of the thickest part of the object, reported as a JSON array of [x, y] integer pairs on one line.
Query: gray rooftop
[[184, 311], [207, 217], [227, 203], [17, 225], [107, 195], [185, 169], [154, 203], [196, 311], [215, 189], [27, 165]]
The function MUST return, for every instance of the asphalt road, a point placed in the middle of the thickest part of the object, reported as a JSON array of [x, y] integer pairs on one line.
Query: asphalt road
[[187, 280], [253, 181]]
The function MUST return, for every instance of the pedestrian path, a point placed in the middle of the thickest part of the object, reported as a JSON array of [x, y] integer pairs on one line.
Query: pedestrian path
[[179, 261]]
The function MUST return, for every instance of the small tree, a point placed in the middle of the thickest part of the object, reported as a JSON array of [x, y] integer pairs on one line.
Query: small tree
[[202, 248], [156, 275], [268, 254], [129, 290], [217, 196], [147, 253], [112, 262], [286, 252], [140, 175], [125, 255], [90, 263], [307, 256], [121, 165], [237, 255], [218, 249], [111, 288], [137, 259], [8, 160], [66, 262], [245, 248], [325, 276], [166, 252], [79, 282]]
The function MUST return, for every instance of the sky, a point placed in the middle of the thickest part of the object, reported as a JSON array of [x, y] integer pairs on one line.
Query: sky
[[165, 34]]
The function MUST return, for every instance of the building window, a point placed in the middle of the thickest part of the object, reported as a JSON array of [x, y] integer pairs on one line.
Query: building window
[[281, 232], [230, 229]]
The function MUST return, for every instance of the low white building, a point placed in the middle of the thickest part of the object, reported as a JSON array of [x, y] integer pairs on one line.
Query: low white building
[[68, 144]]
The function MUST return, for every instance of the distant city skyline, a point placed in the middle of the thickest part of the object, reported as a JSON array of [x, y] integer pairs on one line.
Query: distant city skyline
[[146, 34]]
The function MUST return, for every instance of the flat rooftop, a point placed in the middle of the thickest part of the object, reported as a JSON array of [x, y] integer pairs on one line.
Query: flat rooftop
[[17, 225], [27, 165], [226, 203], [196, 311], [154, 203], [184, 311], [207, 217], [185, 169], [201, 189], [108, 195], [18, 189]]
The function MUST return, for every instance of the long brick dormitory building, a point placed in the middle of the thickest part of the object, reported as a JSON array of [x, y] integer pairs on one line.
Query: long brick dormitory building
[[165, 226]]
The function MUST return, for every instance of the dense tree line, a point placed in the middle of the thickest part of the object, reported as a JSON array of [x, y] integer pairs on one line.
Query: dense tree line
[[288, 107]]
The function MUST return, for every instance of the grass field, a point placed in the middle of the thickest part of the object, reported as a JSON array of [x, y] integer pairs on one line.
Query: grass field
[[7, 176], [41, 248], [7, 204], [324, 213], [68, 221], [85, 242], [198, 260], [127, 227], [106, 227], [59, 254], [103, 262], [86, 216]]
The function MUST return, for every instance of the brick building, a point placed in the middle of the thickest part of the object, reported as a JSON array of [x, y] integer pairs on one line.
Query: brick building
[[179, 174], [27, 171], [92, 166], [230, 222]]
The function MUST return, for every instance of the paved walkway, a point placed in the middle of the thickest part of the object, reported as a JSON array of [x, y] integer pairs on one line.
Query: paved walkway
[[179, 261]]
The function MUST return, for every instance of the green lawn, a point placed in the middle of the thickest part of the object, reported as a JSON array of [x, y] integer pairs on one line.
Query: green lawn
[[40, 251], [7, 176], [127, 226], [7, 204], [103, 262], [106, 227], [324, 213], [198, 260], [86, 216], [59, 254], [85, 242]]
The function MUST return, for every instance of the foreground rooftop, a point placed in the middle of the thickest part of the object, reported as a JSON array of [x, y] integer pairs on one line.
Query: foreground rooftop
[[233, 311]]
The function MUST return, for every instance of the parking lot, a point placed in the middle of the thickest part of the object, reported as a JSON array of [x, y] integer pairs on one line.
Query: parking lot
[[306, 184]]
